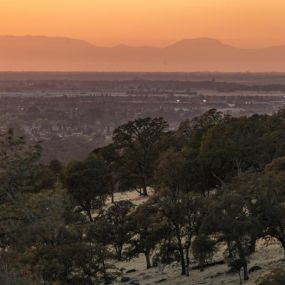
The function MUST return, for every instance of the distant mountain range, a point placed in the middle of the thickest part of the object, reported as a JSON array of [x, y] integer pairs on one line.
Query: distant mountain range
[[37, 53]]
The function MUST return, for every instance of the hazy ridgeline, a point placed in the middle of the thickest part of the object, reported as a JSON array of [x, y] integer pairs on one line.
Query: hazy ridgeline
[[38, 53], [216, 185]]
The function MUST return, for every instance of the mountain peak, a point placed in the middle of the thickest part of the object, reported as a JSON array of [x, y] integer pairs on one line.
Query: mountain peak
[[42, 40], [202, 42], [41, 53]]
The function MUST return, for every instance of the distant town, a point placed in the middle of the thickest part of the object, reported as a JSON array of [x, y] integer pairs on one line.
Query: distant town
[[75, 113]]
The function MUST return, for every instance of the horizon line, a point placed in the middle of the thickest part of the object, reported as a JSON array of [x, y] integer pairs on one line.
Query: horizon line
[[122, 44]]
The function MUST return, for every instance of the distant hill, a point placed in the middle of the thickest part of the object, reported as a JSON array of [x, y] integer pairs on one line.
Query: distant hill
[[37, 53]]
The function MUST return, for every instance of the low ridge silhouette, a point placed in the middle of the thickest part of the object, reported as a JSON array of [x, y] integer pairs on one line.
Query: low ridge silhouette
[[39, 53]]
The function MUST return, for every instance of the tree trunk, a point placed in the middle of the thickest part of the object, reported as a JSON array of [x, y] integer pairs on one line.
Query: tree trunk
[[112, 196], [181, 251], [245, 272], [119, 250], [115, 186], [187, 262], [252, 245], [282, 241], [182, 261], [240, 280], [243, 258], [229, 249], [144, 189], [104, 269], [89, 215], [201, 265], [147, 258], [144, 176]]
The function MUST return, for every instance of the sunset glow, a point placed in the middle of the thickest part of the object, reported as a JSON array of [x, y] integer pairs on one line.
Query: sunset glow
[[246, 23]]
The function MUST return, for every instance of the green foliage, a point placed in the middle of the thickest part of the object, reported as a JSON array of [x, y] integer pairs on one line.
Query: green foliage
[[56, 167], [88, 183], [230, 220], [203, 248], [44, 178], [170, 171], [238, 145], [18, 162], [111, 231], [148, 230], [57, 170], [183, 214], [268, 193], [138, 144], [34, 214], [120, 225], [111, 160], [75, 263]]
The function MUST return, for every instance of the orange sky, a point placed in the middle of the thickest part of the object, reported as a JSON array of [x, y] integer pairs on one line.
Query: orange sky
[[248, 23]]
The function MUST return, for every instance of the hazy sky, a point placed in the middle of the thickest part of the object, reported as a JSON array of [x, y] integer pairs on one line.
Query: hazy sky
[[250, 23]]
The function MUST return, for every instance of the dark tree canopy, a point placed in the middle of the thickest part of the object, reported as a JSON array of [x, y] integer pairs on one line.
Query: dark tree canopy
[[88, 183], [138, 144]]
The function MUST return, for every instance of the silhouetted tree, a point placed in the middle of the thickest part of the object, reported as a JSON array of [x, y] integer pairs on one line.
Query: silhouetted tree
[[138, 143], [88, 184]]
